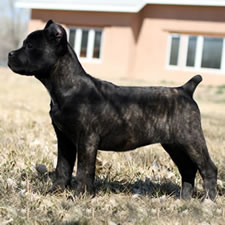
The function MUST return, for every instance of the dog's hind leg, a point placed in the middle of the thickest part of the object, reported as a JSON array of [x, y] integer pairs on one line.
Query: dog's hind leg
[[185, 166], [199, 154], [189, 158]]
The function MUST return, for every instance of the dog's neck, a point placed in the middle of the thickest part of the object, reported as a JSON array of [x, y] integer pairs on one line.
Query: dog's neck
[[61, 86]]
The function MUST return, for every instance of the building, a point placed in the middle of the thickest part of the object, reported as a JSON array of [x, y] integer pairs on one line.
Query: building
[[152, 40]]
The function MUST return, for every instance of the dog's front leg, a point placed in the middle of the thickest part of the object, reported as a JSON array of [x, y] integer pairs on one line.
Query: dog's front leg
[[87, 152], [65, 161]]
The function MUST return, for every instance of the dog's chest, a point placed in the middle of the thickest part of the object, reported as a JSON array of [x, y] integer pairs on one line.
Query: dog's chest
[[56, 116]]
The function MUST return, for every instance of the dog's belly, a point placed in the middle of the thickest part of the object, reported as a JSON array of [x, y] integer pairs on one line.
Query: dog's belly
[[135, 128], [125, 138], [120, 145]]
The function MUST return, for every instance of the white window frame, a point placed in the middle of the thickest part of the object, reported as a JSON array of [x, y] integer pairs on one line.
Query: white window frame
[[182, 55], [90, 44]]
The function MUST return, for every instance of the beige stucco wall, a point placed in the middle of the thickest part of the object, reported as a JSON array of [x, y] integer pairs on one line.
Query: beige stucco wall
[[152, 46], [135, 46]]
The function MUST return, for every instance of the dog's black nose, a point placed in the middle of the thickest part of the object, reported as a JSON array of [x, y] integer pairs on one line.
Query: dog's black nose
[[11, 53]]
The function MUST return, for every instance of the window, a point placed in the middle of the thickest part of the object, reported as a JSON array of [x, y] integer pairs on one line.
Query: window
[[97, 44], [174, 51], [198, 52], [191, 52], [212, 53], [87, 43], [84, 44], [72, 37]]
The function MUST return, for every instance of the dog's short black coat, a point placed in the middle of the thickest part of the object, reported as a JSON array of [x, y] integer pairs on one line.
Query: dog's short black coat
[[90, 114]]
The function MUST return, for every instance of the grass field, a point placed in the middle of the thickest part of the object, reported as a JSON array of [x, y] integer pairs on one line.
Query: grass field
[[140, 187]]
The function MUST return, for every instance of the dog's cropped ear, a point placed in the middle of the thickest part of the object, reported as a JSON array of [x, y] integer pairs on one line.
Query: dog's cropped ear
[[48, 24], [55, 33]]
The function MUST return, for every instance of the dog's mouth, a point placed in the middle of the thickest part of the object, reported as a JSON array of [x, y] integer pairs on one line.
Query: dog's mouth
[[16, 68]]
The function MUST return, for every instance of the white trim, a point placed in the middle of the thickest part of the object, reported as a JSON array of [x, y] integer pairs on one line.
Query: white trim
[[199, 49], [78, 38], [102, 46], [133, 6], [67, 33], [168, 49], [182, 51], [185, 50], [98, 6], [188, 2], [90, 44]]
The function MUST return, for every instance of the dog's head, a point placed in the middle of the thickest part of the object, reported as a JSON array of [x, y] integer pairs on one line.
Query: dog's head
[[40, 50]]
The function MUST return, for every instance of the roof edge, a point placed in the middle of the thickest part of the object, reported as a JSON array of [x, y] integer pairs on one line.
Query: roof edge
[[115, 8], [81, 7], [187, 2]]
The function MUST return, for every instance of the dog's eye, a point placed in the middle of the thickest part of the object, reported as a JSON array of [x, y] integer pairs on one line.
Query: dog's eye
[[29, 45]]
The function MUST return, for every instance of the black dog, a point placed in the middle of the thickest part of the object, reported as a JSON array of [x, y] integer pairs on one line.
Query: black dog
[[90, 114]]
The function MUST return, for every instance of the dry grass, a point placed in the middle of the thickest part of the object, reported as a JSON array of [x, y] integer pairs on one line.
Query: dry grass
[[139, 187]]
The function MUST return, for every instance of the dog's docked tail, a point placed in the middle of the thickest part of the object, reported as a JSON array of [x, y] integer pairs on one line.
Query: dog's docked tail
[[191, 85]]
